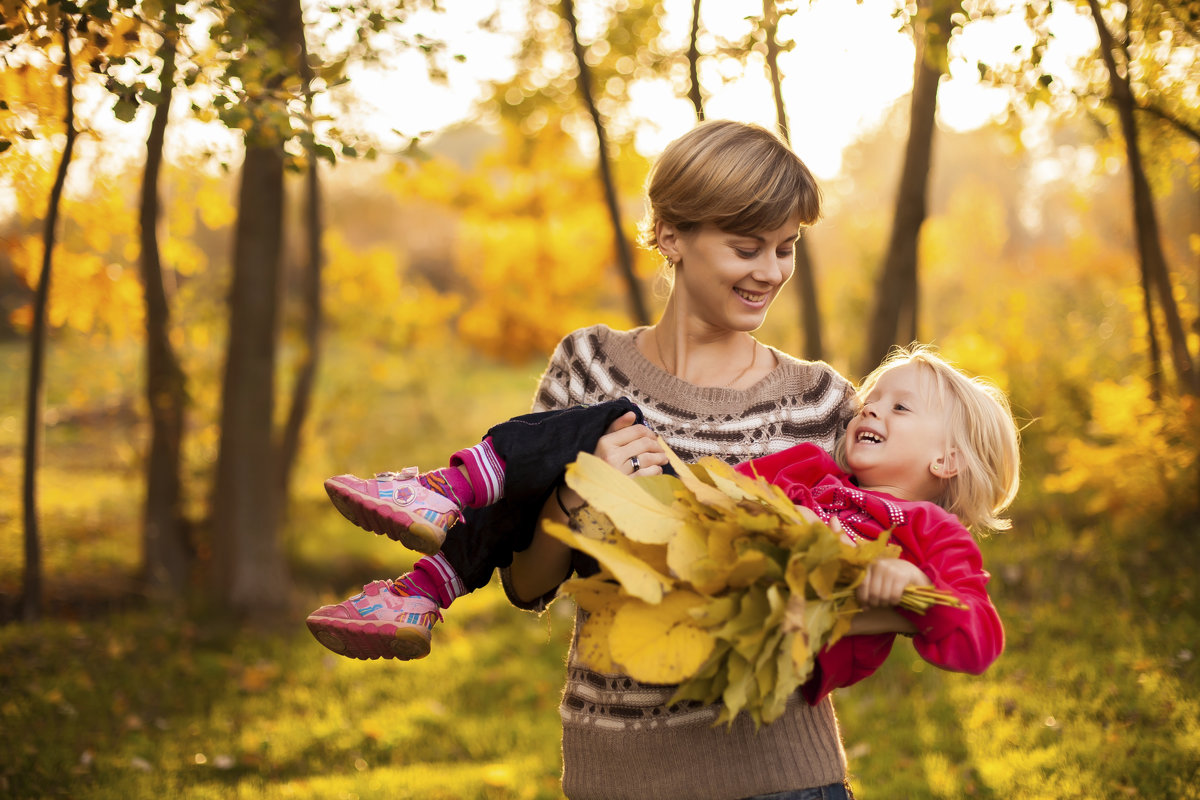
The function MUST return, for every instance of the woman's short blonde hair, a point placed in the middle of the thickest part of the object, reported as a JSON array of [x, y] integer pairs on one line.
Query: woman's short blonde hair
[[981, 430], [742, 178]]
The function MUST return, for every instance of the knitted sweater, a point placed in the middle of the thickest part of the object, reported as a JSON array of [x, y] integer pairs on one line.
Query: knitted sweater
[[622, 739]]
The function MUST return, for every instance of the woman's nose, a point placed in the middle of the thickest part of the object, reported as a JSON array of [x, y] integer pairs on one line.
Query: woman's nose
[[773, 270]]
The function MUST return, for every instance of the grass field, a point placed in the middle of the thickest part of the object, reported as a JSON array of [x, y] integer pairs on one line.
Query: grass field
[[1096, 695]]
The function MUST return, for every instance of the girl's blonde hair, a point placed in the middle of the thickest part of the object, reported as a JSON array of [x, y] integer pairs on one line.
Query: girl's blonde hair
[[981, 430], [742, 178]]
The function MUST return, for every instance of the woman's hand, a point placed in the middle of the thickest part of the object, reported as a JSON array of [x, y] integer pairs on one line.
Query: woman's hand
[[631, 447], [886, 580]]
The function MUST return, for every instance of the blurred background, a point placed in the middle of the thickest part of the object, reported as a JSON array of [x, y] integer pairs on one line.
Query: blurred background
[[245, 245]]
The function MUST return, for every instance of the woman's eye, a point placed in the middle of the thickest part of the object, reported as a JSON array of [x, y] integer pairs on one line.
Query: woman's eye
[[746, 254], [784, 254]]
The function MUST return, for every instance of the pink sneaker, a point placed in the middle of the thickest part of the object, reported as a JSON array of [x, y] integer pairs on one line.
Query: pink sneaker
[[377, 623], [397, 505]]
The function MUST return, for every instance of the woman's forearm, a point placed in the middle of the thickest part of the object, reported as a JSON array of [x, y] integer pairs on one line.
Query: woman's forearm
[[546, 563], [879, 620]]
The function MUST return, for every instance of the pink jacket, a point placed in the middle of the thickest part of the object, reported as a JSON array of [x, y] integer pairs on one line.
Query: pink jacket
[[961, 640]]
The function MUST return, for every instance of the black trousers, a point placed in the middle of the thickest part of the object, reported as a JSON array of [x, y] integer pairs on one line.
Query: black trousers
[[536, 449]]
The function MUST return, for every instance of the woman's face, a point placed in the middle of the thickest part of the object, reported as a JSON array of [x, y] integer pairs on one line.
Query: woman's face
[[727, 281]]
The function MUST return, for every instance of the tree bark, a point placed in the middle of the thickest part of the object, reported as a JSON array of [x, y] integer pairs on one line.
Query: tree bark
[[306, 370], [166, 552], [693, 60], [1153, 260], [249, 570], [621, 243], [805, 276], [894, 320], [31, 594]]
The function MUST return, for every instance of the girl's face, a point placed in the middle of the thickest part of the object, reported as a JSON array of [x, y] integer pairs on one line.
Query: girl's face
[[898, 442], [727, 281]]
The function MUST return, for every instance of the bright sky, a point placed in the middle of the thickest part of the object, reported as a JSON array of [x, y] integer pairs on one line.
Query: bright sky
[[849, 65]]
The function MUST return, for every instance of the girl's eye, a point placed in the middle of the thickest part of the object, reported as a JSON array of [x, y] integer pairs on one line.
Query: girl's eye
[[900, 407]]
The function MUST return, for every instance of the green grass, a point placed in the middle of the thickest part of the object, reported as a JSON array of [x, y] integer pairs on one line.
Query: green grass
[[1095, 696]]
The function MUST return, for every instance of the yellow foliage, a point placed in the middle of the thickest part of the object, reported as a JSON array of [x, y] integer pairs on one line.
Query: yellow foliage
[[1136, 458], [370, 293], [754, 587]]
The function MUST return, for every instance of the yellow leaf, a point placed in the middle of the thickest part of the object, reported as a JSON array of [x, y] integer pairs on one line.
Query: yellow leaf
[[685, 551], [636, 512], [592, 594], [689, 476], [592, 642], [636, 576], [660, 643]]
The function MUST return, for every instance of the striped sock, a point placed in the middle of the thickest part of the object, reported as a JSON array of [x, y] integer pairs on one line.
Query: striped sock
[[433, 577], [449, 482], [486, 471]]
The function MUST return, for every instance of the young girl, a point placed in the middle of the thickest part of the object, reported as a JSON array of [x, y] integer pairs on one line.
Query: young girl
[[930, 453]]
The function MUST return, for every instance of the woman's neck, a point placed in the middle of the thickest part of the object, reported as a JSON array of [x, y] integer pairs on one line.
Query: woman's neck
[[704, 357]]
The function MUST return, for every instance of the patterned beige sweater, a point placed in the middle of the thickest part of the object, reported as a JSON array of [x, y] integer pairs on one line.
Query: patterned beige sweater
[[622, 739]]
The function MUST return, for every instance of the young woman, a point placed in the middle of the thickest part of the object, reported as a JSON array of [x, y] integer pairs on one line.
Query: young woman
[[727, 202]]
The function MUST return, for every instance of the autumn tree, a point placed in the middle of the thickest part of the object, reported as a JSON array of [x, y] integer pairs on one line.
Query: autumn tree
[[1119, 64], [166, 547], [767, 32], [1138, 87], [895, 315], [588, 93], [72, 34]]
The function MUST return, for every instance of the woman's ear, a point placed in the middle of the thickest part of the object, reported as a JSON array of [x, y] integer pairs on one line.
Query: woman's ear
[[667, 236], [945, 465]]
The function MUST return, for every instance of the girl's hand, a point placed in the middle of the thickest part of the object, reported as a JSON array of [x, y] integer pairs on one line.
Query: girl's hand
[[626, 440], [886, 580]]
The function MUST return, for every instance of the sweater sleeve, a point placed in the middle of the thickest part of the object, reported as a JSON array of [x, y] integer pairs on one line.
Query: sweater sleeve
[[960, 640]]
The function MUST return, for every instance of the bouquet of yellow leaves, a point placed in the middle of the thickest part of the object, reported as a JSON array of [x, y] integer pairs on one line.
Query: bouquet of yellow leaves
[[714, 581]]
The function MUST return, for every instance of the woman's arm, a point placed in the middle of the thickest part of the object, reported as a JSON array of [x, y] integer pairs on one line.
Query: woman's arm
[[546, 563], [879, 620]]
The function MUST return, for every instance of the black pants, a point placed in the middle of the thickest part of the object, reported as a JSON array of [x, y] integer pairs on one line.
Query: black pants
[[536, 449]]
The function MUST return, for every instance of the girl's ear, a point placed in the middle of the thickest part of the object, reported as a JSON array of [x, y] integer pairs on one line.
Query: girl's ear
[[945, 465]]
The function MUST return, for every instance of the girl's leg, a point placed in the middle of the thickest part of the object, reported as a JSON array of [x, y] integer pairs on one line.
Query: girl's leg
[[535, 449], [416, 509], [393, 619]]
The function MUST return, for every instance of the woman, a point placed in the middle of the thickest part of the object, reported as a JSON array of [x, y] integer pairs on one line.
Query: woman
[[727, 202]]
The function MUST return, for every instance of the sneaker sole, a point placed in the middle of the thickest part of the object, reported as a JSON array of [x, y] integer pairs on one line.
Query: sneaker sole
[[386, 519], [369, 640]]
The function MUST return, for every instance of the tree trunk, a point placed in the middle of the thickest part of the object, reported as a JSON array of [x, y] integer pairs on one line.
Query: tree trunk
[[805, 277], [166, 553], [31, 595], [306, 371], [621, 244], [895, 318], [249, 570], [1149, 246], [247, 563], [693, 59]]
